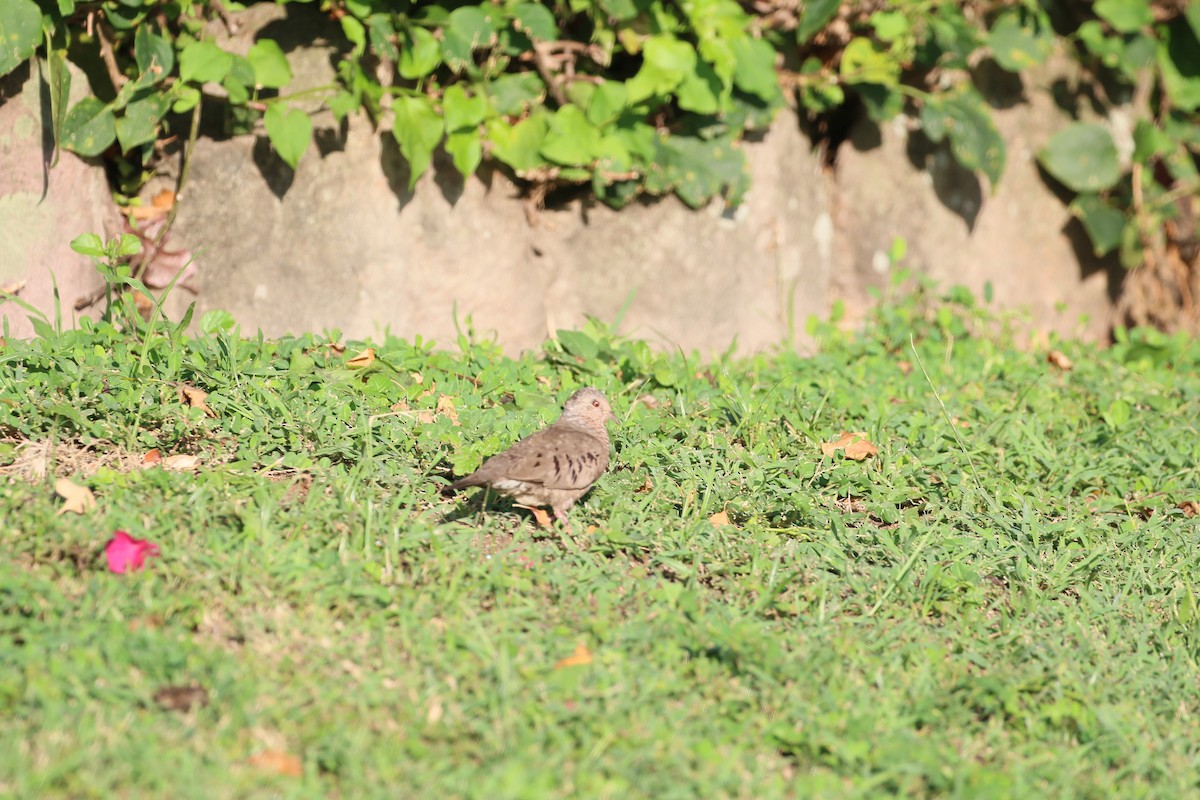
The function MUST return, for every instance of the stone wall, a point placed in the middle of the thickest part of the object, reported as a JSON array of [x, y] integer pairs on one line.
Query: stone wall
[[341, 243]]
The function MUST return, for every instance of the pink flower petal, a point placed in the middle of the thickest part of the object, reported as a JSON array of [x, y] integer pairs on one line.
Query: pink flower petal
[[126, 554]]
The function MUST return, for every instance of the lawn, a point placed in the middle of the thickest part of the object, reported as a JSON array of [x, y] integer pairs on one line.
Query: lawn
[[999, 602]]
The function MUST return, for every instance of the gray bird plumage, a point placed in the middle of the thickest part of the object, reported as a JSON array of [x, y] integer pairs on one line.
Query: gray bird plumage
[[555, 466]]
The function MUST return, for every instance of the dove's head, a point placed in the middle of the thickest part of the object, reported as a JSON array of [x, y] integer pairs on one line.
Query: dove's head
[[588, 409]]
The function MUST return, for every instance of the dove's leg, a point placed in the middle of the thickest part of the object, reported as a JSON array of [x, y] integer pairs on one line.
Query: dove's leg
[[561, 516]]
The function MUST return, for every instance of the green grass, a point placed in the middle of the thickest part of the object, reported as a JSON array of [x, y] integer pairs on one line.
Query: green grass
[[1001, 603]]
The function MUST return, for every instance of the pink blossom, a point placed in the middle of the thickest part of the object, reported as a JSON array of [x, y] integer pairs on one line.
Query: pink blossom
[[126, 554]]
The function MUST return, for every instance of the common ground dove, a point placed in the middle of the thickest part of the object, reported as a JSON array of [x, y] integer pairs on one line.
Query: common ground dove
[[555, 466]]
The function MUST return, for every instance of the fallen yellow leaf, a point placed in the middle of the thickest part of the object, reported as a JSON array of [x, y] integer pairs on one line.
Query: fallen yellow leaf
[[719, 519], [580, 657], [278, 762], [76, 499], [364, 359]]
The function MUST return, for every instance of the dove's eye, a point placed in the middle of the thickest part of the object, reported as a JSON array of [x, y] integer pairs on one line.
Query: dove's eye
[[596, 403]]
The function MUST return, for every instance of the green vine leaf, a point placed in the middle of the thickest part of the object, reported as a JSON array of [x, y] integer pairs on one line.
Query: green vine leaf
[[420, 53], [139, 124], [461, 111], [202, 61], [1179, 64], [520, 145], [814, 16], [1126, 16], [289, 131], [571, 140], [1083, 156], [755, 70], [20, 32], [89, 128], [467, 29], [665, 62], [417, 128], [271, 69], [1020, 39], [152, 51], [1105, 225], [974, 139], [466, 150], [864, 61]]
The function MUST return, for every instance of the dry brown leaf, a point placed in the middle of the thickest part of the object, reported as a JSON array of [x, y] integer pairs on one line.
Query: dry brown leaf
[[278, 762], [152, 457], [196, 398], [580, 657], [13, 287], [425, 417], [181, 698], [856, 446], [1190, 508], [76, 499], [720, 519], [181, 463], [1059, 359], [363, 360], [445, 406], [401, 405], [647, 485], [417, 378], [905, 367]]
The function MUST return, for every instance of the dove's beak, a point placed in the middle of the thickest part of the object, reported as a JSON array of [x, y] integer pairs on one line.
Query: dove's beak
[[613, 418]]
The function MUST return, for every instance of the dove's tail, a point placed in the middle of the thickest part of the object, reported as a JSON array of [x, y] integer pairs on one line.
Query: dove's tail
[[462, 483]]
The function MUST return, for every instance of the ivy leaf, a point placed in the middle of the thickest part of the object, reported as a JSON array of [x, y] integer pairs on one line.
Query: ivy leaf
[[1105, 224], [420, 53], [1082, 156], [466, 149], [417, 128], [864, 61], [139, 124], [607, 103], [700, 91], [202, 61], [665, 62], [519, 146], [571, 140], [20, 32], [462, 111], [814, 17], [514, 92], [89, 127], [153, 52], [289, 131], [271, 69], [755, 70]]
